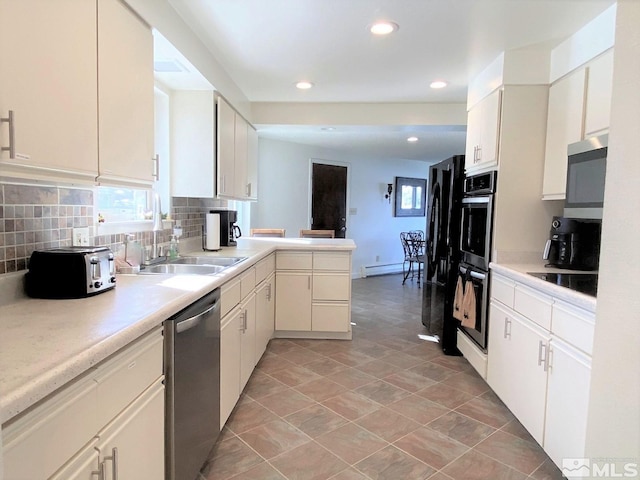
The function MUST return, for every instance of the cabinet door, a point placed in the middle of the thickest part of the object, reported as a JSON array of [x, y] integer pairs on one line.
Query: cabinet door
[[564, 126], [567, 402], [247, 339], [225, 148], [490, 130], [125, 96], [517, 367], [192, 144], [49, 81], [265, 315], [229, 364], [293, 301], [474, 124], [82, 466], [240, 173], [599, 88], [331, 317], [252, 163], [134, 440]]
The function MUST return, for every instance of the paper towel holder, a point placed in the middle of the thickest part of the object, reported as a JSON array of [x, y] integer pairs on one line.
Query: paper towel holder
[[211, 232]]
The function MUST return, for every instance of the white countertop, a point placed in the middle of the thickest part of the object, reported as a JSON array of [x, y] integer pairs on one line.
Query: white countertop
[[519, 273], [47, 343]]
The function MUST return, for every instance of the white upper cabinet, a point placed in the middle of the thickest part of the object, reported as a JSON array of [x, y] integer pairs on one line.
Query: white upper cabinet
[[125, 96], [237, 150], [49, 81], [252, 163], [564, 126], [579, 107], [226, 148], [483, 133], [600, 84], [192, 144]]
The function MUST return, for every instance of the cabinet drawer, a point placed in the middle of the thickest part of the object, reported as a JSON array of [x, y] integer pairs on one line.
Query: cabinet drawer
[[331, 286], [127, 374], [503, 290], [340, 261], [533, 305], [229, 296], [247, 282], [573, 325], [294, 260], [330, 317], [37, 444], [265, 267]]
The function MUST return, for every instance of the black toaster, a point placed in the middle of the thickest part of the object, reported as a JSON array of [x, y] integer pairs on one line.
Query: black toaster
[[70, 272]]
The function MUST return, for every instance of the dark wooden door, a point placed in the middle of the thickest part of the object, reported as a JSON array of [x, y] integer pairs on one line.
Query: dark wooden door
[[329, 198]]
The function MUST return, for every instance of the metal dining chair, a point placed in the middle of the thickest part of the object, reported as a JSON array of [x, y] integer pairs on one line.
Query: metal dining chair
[[413, 246]]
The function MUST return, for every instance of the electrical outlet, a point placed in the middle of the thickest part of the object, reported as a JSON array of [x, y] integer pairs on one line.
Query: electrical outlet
[[80, 237]]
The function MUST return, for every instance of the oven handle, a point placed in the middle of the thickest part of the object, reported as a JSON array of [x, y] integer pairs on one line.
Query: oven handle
[[478, 275]]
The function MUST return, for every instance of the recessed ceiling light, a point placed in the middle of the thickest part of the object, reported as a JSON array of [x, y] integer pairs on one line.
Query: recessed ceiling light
[[412, 139], [383, 28], [304, 85], [438, 84]]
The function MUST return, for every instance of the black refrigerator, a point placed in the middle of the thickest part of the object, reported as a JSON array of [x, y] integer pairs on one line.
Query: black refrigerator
[[442, 250]]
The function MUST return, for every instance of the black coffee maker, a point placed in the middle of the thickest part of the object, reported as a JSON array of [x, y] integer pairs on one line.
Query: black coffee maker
[[573, 244], [229, 231]]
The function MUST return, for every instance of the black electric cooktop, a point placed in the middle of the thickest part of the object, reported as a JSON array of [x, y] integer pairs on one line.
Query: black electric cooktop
[[586, 283]]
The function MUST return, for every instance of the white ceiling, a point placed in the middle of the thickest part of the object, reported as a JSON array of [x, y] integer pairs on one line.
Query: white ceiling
[[266, 46]]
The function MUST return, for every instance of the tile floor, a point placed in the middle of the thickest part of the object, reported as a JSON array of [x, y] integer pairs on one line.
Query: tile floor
[[384, 406]]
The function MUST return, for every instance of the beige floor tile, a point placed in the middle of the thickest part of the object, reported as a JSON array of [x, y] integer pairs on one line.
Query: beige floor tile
[[349, 474], [351, 358], [388, 424], [515, 452], [295, 375], [393, 464], [286, 402], [309, 462], [351, 443], [264, 471], [249, 416], [444, 395], [351, 378], [316, 420], [462, 428], [274, 438], [382, 392], [260, 385], [320, 389], [418, 409], [547, 471], [379, 368], [431, 447], [351, 405], [272, 363], [300, 356], [409, 381], [476, 466], [468, 382], [486, 411], [325, 366], [230, 458]]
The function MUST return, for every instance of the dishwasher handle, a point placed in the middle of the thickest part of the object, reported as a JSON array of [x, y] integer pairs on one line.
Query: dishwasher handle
[[192, 322]]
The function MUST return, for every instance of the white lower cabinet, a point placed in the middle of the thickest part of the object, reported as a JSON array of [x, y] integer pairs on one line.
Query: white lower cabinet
[[567, 402], [229, 363], [72, 432], [247, 338], [313, 292], [517, 370], [539, 364], [265, 314], [293, 301]]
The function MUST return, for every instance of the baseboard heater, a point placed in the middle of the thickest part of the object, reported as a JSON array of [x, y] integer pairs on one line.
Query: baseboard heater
[[378, 269]]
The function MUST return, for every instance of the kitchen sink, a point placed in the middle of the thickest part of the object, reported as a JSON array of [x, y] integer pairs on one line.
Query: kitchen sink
[[193, 266], [217, 261], [182, 269]]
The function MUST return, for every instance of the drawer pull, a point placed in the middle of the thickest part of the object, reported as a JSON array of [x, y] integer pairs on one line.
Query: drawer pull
[[12, 142], [131, 365]]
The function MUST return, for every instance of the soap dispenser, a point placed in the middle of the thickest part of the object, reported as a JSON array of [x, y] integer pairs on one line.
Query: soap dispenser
[[173, 247]]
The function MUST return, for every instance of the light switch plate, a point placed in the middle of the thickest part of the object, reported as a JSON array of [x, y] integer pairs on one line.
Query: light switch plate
[[80, 237]]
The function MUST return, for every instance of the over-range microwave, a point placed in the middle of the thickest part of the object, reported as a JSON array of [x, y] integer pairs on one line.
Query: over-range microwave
[[586, 170]]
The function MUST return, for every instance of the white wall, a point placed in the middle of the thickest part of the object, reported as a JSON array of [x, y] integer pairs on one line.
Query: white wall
[[614, 410], [283, 175]]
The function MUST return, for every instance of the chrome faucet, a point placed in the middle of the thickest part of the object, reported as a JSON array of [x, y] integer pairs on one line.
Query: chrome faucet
[[156, 256]]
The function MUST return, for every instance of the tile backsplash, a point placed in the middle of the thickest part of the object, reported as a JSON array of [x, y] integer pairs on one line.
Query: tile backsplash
[[37, 217]]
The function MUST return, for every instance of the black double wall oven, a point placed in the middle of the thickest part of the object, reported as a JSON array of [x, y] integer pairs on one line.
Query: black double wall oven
[[475, 247]]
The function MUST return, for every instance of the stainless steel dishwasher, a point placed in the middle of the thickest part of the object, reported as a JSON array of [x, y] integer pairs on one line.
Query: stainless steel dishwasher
[[192, 379]]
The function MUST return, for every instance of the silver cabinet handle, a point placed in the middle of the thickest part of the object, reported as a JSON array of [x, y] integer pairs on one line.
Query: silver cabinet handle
[[269, 291], [12, 143], [114, 459], [156, 167], [101, 472], [243, 323], [248, 189], [309, 282], [507, 327], [541, 359]]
